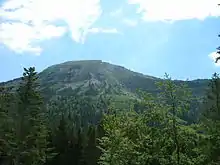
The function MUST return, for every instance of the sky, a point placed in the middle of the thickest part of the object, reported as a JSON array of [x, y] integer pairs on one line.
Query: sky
[[178, 37]]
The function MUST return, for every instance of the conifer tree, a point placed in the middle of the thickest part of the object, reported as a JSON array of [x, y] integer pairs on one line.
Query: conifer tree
[[61, 139], [91, 150], [80, 148], [31, 131], [211, 121], [177, 100], [218, 52]]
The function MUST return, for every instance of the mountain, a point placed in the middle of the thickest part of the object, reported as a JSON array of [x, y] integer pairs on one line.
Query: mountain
[[94, 77]]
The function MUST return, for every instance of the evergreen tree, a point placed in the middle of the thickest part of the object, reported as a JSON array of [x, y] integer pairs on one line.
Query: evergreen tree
[[218, 52], [171, 100], [31, 131], [61, 137], [176, 99], [211, 121], [60, 143], [91, 150], [80, 148]]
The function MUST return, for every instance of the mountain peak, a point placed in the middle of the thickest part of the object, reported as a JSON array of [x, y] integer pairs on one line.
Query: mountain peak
[[93, 77]]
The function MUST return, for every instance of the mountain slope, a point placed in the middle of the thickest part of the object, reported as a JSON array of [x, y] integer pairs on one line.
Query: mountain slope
[[93, 77]]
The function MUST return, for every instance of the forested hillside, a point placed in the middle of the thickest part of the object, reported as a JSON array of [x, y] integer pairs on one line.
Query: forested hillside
[[107, 117], [94, 79]]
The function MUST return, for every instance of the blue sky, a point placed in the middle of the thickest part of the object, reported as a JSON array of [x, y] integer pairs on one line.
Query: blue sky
[[148, 36]]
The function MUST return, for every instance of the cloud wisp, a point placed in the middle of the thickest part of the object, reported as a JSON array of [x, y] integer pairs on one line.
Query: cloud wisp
[[25, 23], [103, 30], [174, 10], [213, 57]]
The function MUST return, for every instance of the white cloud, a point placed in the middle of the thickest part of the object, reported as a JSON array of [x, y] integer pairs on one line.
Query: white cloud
[[213, 57], [21, 37], [173, 10], [24, 23], [130, 22], [103, 30]]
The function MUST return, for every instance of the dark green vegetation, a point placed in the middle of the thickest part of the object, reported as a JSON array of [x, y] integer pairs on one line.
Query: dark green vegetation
[[91, 112]]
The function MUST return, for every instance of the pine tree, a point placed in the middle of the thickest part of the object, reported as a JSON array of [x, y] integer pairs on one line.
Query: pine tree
[[168, 96], [211, 121], [31, 131], [176, 99], [60, 142], [218, 52], [61, 138], [91, 150], [80, 148]]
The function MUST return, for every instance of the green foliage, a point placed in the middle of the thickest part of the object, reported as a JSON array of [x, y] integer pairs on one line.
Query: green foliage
[[155, 135], [91, 151], [177, 101], [26, 135], [211, 121], [6, 120], [93, 115]]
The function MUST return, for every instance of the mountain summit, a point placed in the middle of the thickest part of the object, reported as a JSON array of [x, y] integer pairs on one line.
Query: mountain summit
[[92, 77]]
